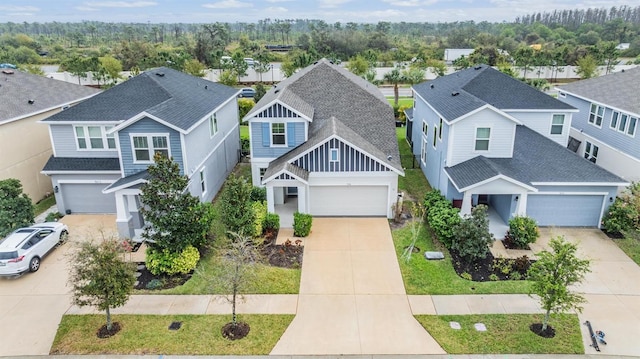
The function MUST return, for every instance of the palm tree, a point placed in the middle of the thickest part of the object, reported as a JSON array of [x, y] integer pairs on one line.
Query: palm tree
[[394, 77]]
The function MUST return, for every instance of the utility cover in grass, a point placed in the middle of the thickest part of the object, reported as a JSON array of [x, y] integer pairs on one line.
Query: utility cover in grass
[[455, 325], [433, 255], [175, 325], [480, 327]]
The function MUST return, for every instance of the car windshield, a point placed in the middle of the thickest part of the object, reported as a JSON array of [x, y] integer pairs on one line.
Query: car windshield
[[8, 255]]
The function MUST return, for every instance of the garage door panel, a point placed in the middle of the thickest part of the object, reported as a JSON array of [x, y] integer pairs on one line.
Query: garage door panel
[[88, 198], [565, 210], [349, 200]]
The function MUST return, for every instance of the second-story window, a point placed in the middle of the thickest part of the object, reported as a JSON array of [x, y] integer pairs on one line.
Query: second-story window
[[623, 123], [591, 151], [595, 115], [278, 135], [213, 125], [557, 124], [440, 130], [94, 138], [483, 134], [145, 147]]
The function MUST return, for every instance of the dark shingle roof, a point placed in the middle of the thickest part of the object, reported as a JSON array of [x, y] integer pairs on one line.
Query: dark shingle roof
[[18, 88], [73, 164], [479, 86], [170, 95], [324, 91], [535, 159], [620, 90], [125, 182]]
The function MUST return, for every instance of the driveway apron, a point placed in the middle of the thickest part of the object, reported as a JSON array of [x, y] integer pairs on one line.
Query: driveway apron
[[352, 299], [32, 305]]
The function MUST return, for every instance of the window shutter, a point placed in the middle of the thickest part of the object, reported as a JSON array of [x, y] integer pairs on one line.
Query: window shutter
[[291, 134], [266, 133]]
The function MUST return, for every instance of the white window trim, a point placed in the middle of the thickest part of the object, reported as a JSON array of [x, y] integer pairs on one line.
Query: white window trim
[[213, 125], [564, 117], [595, 120], [271, 134], [440, 129], [423, 152], [261, 172], [435, 137], [331, 152], [626, 125], [203, 181], [149, 137], [475, 139], [590, 153], [87, 138], [425, 128]]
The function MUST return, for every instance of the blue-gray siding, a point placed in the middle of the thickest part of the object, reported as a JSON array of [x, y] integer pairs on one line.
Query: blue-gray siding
[[64, 144], [503, 204], [350, 159], [620, 141], [260, 137], [142, 127]]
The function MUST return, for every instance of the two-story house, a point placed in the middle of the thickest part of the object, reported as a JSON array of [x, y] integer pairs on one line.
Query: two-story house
[[25, 147], [484, 137], [324, 141], [103, 147], [605, 131]]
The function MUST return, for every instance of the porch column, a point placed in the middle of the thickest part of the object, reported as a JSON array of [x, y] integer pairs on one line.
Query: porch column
[[123, 219], [466, 204], [302, 199], [271, 208], [521, 209]]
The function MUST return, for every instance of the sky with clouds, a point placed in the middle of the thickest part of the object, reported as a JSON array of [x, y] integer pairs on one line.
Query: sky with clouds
[[206, 11]]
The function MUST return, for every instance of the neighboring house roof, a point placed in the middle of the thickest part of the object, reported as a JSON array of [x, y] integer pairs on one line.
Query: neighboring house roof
[[460, 93], [536, 159], [130, 181], [172, 96], [25, 94], [620, 90], [328, 93], [76, 164]]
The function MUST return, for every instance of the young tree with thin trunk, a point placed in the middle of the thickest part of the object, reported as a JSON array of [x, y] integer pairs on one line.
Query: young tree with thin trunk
[[552, 275], [100, 277]]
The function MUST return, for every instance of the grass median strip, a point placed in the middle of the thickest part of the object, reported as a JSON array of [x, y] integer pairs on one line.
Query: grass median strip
[[506, 334], [149, 334]]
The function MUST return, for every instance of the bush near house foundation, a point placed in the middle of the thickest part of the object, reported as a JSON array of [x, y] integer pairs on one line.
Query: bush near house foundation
[[441, 216], [301, 224], [523, 231]]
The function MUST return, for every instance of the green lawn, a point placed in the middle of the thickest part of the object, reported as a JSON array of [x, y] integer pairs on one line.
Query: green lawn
[[149, 334], [414, 182], [438, 277], [630, 245], [402, 101], [506, 334], [244, 131], [45, 204]]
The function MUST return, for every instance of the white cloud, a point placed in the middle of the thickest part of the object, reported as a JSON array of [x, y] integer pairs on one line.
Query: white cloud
[[28, 14], [86, 8], [332, 3], [19, 9], [228, 4], [276, 10], [120, 4], [404, 2], [276, 1]]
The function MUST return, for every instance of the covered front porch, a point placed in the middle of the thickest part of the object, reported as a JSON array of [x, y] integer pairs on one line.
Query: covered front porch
[[129, 220]]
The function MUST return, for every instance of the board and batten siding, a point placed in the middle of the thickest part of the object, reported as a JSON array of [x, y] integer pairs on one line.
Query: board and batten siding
[[541, 123], [142, 127], [464, 135], [350, 159], [618, 140], [65, 145], [261, 138]]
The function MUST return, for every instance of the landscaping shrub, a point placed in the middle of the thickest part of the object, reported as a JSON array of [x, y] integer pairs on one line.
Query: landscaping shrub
[[272, 221], [472, 238], [259, 215], [235, 206], [624, 214], [523, 231], [441, 216], [258, 194], [301, 224], [53, 217], [244, 106], [170, 263]]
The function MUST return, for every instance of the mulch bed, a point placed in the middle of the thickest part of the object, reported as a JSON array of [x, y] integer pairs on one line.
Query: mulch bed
[[509, 243], [103, 332], [287, 255], [537, 328], [235, 331], [483, 269], [613, 235]]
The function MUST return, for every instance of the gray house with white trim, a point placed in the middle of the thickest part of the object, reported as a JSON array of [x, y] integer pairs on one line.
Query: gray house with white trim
[[484, 137], [103, 146], [324, 140], [605, 131]]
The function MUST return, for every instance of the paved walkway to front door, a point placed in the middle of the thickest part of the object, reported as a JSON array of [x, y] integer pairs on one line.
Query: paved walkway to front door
[[352, 299]]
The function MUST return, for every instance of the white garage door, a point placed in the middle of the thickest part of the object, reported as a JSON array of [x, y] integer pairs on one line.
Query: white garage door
[[565, 210], [88, 198], [349, 200]]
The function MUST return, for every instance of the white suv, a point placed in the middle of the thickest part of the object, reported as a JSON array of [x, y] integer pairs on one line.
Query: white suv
[[23, 249]]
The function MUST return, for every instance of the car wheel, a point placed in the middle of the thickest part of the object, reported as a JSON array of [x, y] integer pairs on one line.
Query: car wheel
[[64, 235], [34, 265], [240, 95]]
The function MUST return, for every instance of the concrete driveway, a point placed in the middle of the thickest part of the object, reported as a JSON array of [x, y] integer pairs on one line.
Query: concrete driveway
[[31, 305], [352, 299], [612, 290]]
